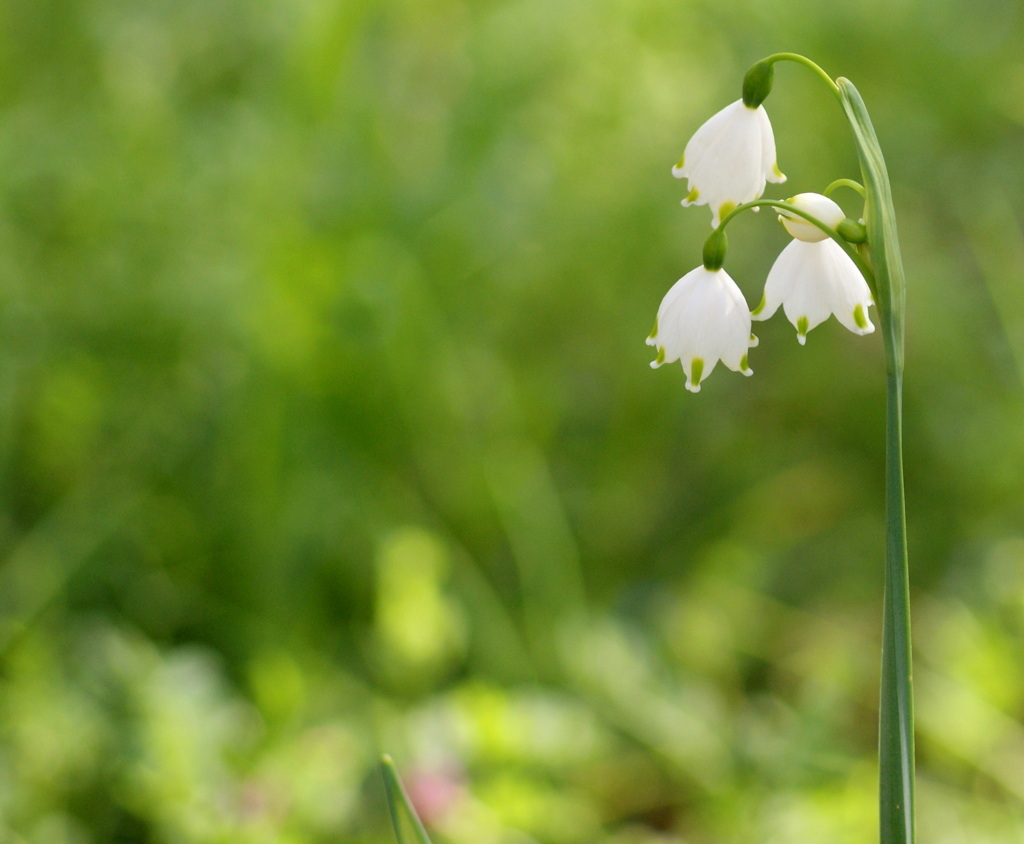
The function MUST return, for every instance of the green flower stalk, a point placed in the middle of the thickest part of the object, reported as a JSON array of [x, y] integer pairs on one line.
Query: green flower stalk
[[896, 717], [834, 265]]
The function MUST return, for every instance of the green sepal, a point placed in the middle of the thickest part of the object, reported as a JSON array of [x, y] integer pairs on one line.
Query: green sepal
[[852, 231], [714, 250], [757, 84]]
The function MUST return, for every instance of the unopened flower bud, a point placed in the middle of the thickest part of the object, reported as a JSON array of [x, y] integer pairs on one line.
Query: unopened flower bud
[[816, 205]]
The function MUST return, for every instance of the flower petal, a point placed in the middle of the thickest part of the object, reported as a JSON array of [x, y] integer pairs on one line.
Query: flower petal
[[769, 162], [779, 286], [850, 296], [705, 138]]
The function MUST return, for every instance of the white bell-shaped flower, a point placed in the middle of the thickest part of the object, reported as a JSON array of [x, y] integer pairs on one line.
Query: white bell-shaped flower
[[812, 280], [703, 319], [729, 159]]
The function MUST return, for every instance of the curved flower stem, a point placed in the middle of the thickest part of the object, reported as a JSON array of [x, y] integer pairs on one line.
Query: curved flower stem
[[845, 183], [855, 256], [806, 62]]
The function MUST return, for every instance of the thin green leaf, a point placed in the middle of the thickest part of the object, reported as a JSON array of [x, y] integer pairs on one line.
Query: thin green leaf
[[403, 815], [896, 713], [880, 220]]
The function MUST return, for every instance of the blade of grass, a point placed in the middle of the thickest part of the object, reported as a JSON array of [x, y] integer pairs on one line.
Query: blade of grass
[[399, 805]]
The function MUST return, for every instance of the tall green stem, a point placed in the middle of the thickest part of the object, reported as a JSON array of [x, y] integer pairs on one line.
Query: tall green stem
[[896, 717]]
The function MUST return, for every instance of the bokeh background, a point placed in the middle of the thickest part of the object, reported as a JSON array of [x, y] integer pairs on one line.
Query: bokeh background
[[327, 427]]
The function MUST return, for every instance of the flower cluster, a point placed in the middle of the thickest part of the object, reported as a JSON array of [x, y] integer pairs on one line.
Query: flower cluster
[[704, 317]]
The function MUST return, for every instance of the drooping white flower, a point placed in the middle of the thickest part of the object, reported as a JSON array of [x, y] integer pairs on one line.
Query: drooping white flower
[[729, 159], [812, 280], [703, 319]]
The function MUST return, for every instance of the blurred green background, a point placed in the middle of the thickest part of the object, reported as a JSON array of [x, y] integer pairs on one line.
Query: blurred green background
[[327, 427]]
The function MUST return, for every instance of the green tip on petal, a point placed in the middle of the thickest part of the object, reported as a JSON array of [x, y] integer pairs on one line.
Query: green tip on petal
[[759, 308], [691, 197], [654, 331], [660, 359], [859, 318], [745, 366], [696, 371], [725, 209], [682, 160], [777, 172], [801, 330]]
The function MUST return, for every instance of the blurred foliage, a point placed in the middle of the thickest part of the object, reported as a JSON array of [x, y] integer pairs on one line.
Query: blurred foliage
[[326, 427]]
